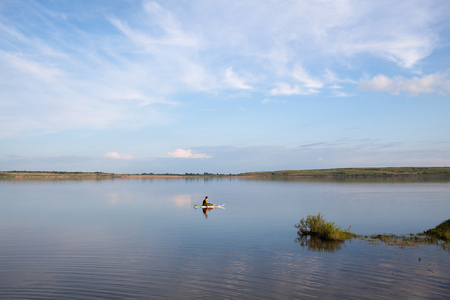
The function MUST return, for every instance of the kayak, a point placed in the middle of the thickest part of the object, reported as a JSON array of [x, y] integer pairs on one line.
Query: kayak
[[210, 206]]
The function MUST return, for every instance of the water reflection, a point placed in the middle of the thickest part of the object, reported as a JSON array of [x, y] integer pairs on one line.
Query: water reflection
[[182, 200], [313, 243], [205, 211], [140, 239]]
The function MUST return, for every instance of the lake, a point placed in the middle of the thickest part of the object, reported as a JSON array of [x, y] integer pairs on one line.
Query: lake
[[142, 239]]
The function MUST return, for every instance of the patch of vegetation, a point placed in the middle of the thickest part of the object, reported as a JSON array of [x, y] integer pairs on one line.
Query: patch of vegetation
[[357, 172], [315, 233], [402, 240], [442, 231], [317, 226]]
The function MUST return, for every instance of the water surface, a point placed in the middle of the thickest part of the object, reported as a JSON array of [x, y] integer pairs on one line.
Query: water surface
[[143, 239]]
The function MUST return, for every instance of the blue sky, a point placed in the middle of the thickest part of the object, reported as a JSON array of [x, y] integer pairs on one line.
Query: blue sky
[[223, 86]]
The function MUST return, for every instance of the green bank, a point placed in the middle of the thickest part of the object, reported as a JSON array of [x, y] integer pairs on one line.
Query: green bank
[[357, 172], [394, 172]]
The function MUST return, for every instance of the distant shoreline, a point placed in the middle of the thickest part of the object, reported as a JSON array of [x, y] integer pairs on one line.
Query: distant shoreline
[[358, 172], [396, 172], [32, 175]]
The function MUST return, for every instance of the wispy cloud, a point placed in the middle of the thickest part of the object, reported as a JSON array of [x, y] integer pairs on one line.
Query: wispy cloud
[[172, 33], [116, 155], [401, 33], [267, 101], [181, 153], [167, 50], [142, 56], [404, 51], [437, 83], [234, 80], [84, 81], [338, 91], [285, 89], [357, 145], [306, 80], [36, 70]]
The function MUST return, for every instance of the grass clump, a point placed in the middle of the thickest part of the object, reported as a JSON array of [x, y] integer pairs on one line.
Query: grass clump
[[317, 226], [442, 231], [315, 233]]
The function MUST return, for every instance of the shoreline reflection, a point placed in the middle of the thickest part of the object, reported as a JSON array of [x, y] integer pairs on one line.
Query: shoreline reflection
[[313, 243]]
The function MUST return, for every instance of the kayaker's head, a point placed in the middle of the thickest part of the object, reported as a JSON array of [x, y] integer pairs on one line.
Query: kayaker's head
[[206, 197]]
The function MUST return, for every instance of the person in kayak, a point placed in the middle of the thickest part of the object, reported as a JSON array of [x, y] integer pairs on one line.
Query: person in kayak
[[205, 202]]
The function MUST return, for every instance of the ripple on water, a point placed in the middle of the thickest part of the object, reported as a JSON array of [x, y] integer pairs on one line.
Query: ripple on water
[[358, 270], [136, 249]]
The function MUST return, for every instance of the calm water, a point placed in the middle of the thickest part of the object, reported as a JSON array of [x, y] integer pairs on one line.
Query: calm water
[[143, 239]]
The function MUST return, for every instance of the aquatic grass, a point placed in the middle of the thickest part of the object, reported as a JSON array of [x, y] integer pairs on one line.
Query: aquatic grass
[[317, 234], [401, 240], [317, 226], [442, 231]]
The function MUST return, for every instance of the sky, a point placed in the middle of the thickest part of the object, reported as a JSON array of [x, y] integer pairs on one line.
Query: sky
[[223, 86]]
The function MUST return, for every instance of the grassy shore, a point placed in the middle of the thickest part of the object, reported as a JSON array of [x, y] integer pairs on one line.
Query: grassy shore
[[358, 172], [409, 172]]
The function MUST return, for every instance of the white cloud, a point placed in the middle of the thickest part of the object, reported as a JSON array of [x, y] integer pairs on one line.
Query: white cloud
[[405, 51], [234, 80], [116, 155], [58, 75], [331, 77], [268, 101], [173, 33], [402, 32], [37, 70], [307, 84], [437, 83], [51, 84], [338, 92], [181, 153], [306, 79], [280, 33], [169, 52], [409, 51], [285, 89]]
